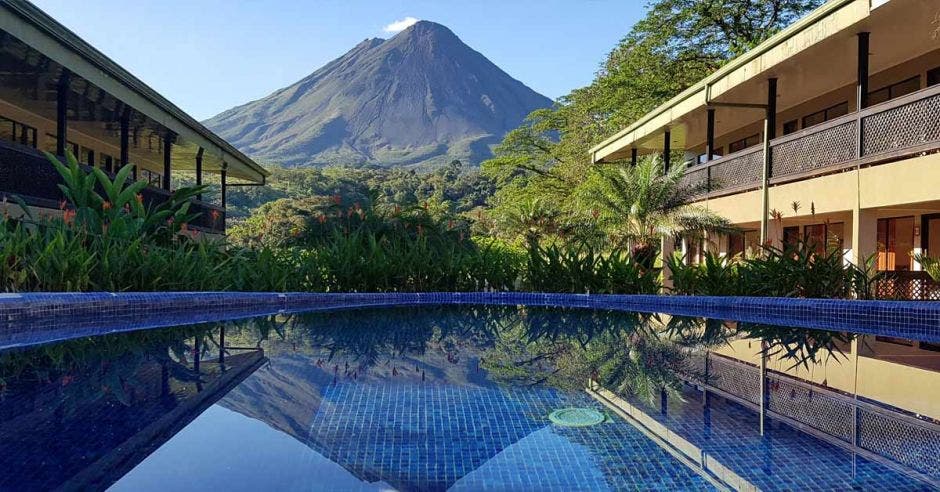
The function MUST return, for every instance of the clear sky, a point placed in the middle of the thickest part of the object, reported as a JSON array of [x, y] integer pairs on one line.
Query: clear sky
[[209, 55]]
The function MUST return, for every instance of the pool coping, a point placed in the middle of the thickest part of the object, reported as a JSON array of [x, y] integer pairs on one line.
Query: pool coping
[[35, 318]]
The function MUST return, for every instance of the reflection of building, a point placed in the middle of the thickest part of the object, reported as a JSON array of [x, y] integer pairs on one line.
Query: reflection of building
[[58, 94], [84, 430], [850, 96]]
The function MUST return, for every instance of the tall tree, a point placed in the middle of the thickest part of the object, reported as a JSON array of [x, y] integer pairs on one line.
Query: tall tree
[[678, 43]]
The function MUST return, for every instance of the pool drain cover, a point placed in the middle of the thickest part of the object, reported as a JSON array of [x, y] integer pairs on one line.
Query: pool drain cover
[[576, 417]]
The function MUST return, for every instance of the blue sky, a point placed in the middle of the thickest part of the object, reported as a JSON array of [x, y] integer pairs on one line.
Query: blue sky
[[209, 55]]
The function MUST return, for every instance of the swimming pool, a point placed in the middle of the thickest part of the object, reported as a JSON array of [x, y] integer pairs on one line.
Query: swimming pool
[[460, 397]]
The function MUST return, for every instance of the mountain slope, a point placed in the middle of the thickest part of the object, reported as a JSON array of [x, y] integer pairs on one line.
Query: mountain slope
[[422, 97]]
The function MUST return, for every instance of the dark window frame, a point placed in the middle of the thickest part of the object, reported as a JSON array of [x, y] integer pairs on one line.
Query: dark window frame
[[834, 111]]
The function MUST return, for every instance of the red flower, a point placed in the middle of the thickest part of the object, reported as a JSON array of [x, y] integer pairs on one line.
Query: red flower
[[337, 199], [321, 218], [62, 205]]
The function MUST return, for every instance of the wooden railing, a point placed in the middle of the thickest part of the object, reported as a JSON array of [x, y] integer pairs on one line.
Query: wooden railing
[[914, 286], [26, 173], [893, 130]]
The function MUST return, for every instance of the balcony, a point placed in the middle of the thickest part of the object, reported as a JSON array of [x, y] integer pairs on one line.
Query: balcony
[[25, 172], [904, 127]]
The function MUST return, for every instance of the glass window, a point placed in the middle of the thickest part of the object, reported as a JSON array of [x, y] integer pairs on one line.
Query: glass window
[[743, 143], [894, 90], [933, 77], [791, 236], [826, 114], [790, 127], [815, 237], [895, 243], [15, 131]]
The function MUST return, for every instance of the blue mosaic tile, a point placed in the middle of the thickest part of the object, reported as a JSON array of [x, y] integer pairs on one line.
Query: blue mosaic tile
[[42, 317]]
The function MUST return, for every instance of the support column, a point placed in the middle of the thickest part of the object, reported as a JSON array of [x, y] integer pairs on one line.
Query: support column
[[666, 250], [763, 386], [224, 185], [167, 159], [862, 76], [199, 173], [125, 140], [62, 112], [710, 135], [222, 344], [633, 156], [770, 131], [667, 151], [864, 234]]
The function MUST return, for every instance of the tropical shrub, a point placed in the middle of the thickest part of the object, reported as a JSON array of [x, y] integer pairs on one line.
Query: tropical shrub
[[795, 271], [580, 268]]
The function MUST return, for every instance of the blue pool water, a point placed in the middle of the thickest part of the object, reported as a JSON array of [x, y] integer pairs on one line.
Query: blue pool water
[[437, 398]]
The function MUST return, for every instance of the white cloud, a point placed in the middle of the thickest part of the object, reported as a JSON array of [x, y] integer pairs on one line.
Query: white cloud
[[400, 25]]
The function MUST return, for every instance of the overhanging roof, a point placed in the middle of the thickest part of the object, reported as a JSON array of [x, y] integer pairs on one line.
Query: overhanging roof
[[827, 20], [41, 32]]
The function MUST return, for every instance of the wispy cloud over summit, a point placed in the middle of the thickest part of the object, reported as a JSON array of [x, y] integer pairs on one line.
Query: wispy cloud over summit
[[400, 25]]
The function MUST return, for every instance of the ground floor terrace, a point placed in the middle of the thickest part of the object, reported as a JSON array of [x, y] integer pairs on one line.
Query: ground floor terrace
[[887, 213], [60, 95]]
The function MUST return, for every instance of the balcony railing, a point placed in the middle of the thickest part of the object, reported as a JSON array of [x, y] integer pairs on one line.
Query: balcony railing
[[914, 286], [25, 172], [872, 429], [896, 129]]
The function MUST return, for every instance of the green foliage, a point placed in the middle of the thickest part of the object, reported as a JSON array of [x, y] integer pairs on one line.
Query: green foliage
[[675, 45], [579, 268], [796, 271], [640, 204], [111, 242]]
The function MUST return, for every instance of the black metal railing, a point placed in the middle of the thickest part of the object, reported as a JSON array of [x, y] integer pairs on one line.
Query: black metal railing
[[26, 173], [893, 130]]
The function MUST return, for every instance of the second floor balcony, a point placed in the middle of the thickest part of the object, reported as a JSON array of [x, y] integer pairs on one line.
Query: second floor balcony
[[900, 128]]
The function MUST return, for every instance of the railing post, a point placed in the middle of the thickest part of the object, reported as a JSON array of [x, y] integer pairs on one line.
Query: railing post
[[667, 151], [763, 386], [633, 156], [125, 140], [770, 131], [167, 159], [199, 170], [62, 112], [224, 185]]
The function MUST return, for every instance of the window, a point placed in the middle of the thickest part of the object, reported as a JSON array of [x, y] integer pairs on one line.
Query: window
[[826, 114], [894, 90], [895, 243], [86, 156], [107, 162], [933, 77], [791, 236], [790, 127], [823, 237], [744, 143], [154, 179], [715, 154], [743, 243], [15, 131]]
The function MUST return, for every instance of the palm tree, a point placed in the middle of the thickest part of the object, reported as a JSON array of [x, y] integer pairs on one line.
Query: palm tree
[[641, 204]]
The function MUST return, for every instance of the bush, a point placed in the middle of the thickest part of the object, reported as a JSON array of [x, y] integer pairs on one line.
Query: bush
[[580, 268]]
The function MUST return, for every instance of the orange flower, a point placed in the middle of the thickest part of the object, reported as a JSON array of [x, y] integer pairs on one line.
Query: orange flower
[[68, 216], [215, 215], [106, 205], [321, 218]]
